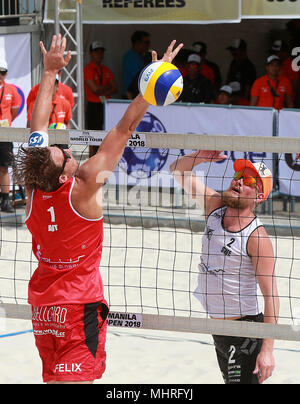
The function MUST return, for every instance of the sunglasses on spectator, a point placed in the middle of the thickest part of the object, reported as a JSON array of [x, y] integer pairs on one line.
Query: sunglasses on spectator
[[247, 179], [3, 72]]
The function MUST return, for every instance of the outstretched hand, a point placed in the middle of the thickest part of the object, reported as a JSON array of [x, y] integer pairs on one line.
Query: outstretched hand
[[54, 59], [170, 54], [211, 155]]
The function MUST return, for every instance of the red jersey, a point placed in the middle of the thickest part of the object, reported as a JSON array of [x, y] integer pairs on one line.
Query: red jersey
[[264, 87], [68, 248], [61, 111], [102, 75], [9, 98], [63, 91]]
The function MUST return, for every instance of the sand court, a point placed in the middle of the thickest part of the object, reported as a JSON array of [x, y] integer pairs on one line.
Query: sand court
[[153, 271]]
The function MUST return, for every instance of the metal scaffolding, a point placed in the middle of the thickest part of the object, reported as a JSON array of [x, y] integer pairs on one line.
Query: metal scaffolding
[[73, 73]]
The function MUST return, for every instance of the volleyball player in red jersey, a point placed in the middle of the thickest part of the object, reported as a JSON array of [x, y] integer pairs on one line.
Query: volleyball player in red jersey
[[64, 215]]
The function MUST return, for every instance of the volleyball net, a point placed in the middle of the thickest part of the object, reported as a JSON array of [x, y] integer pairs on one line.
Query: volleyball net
[[153, 233]]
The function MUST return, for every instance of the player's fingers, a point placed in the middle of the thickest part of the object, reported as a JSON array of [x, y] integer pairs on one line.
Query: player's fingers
[[175, 51], [169, 50], [43, 49], [58, 44], [68, 57], [171, 46], [154, 56], [63, 45], [53, 43]]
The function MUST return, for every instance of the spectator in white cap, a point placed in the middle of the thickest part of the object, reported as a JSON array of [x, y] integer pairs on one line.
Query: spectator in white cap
[[99, 84], [241, 68], [237, 97], [196, 87], [272, 89], [224, 96], [205, 70], [10, 103]]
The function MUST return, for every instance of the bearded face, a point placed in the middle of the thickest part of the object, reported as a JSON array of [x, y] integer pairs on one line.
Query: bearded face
[[240, 196], [235, 201]]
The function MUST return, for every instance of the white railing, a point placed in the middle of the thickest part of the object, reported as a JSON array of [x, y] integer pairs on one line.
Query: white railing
[[24, 9]]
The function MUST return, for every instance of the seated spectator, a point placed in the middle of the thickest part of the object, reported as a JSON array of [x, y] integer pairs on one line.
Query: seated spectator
[[196, 87], [241, 68], [272, 90], [63, 91], [224, 96], [133, 60], [201, 49], [280, 49], [61, 111], [205, 70], [237, 95]]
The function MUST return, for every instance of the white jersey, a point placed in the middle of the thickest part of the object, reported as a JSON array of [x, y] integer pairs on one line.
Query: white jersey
[[227, 285]]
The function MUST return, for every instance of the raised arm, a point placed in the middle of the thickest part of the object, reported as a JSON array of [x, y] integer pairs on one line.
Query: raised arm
[[260, 250], [182, 169], [54, 61], [95, 171]]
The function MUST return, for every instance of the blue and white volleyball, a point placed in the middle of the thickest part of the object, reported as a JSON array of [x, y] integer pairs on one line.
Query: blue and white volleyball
[[160, 83]]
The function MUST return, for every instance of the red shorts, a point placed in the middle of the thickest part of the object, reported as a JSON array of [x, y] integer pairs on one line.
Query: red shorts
[[71, 340]]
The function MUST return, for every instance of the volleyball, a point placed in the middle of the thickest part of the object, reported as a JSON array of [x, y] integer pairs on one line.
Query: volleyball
[[160, 83], [58, 125]]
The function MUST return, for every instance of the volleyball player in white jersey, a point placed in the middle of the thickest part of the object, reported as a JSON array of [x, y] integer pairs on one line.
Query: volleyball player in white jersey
[[236, 255]]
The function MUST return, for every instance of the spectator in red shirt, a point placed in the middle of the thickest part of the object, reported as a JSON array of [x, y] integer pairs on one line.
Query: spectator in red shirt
[[99, 84], [63, 91], [9, 107], [272, 90], [61, 111]]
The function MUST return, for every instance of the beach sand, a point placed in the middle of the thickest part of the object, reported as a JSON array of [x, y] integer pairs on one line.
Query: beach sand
[[141, 357], [167, 263]]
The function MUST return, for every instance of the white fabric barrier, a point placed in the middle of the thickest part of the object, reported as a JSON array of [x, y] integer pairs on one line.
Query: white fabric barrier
[[139, 166], [16, 50], [289, 168]]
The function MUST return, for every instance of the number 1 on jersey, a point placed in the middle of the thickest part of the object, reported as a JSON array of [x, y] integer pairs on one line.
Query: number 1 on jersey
[[52, 213]]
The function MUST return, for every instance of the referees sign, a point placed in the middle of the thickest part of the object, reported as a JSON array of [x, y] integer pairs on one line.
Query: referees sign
[[151, 11]]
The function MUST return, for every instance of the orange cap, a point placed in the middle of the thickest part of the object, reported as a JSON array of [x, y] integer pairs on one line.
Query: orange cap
[[260, 170]]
